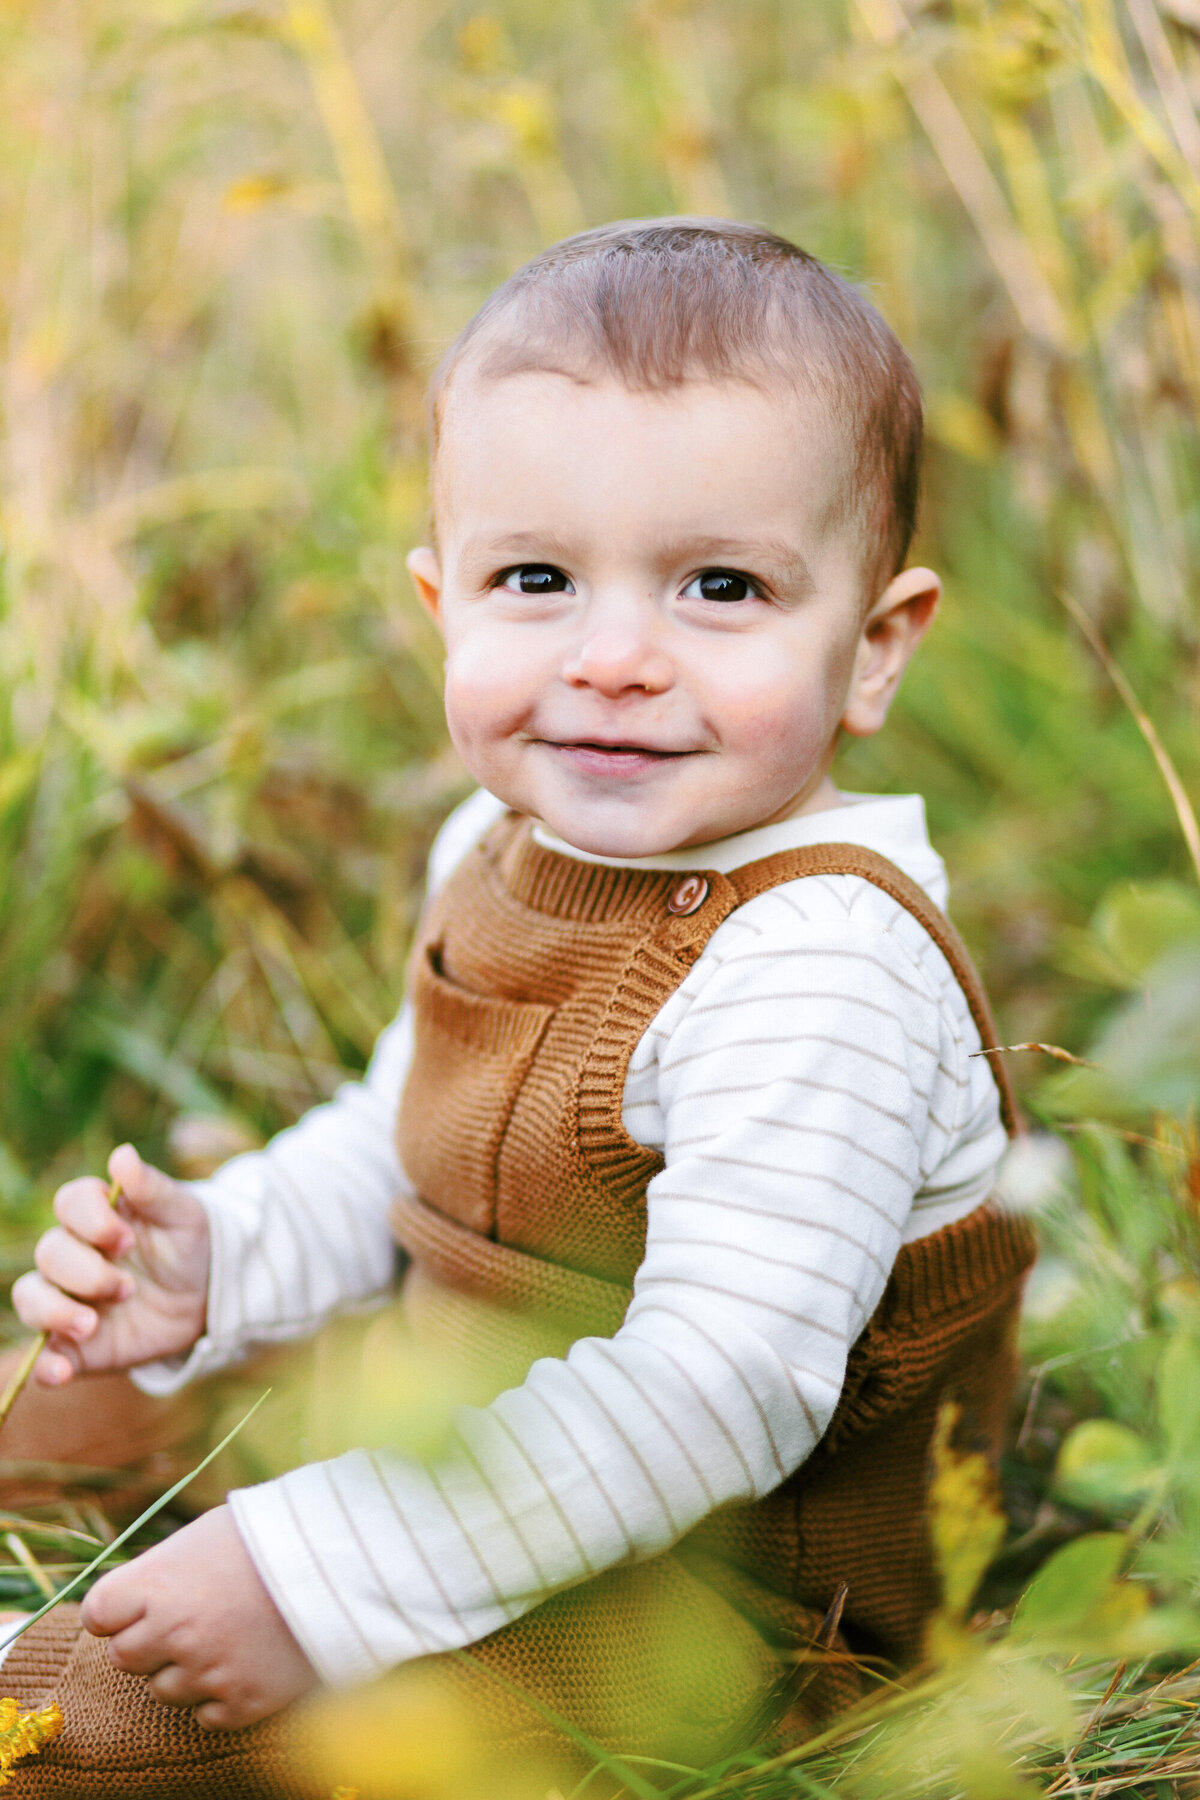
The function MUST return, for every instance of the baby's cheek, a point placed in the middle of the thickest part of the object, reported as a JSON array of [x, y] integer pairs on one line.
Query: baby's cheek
[[482, 719], [774, 725]]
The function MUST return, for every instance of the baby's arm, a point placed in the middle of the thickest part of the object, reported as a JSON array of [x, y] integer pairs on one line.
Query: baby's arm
[[299, 1231], [760, 1270]]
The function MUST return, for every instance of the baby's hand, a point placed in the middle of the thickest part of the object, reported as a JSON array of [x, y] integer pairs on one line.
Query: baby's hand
[[193, 1616], [118, 1286]]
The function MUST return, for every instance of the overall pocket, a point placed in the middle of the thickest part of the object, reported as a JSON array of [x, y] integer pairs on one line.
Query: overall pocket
[[471, 1055]]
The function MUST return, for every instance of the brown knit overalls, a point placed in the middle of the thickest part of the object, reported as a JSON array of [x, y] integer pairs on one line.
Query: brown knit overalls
[[534, 978]]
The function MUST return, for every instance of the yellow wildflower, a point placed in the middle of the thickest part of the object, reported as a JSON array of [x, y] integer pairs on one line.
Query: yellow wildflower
[[24, 1734], [967, 1528]]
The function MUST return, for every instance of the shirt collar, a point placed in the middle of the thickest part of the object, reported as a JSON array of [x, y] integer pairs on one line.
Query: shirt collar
[[893, 825]]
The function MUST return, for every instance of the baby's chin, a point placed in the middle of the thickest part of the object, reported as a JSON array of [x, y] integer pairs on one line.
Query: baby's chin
[[629, 825], [630, 837]]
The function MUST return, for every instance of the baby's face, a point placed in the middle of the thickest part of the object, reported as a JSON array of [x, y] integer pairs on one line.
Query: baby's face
[[652, 613]]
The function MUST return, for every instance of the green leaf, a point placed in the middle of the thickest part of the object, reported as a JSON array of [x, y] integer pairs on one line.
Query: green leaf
[[1103, 1463], [1148, 1054], [18, 774], [1179, 1407], [1137, 923], [1080, 1595], [134, 1049]]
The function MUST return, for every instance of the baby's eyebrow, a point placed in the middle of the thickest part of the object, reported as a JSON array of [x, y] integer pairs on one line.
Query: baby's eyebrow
[[543, 545], [775, 557]]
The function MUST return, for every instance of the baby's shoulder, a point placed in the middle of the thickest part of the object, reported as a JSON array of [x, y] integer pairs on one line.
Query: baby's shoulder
[[467, 826], [830, 917]]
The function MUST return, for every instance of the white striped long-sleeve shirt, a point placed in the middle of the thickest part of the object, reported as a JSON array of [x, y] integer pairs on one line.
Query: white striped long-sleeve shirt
[[811, 1089]]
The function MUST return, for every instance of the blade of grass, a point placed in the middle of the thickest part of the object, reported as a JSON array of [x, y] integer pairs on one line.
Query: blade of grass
[[1168, 77], [971, 176], [123, 1537], [21, 1374], [371, 196], [23, 1555], [24, 1368], [44, 1529], [1184, 811]]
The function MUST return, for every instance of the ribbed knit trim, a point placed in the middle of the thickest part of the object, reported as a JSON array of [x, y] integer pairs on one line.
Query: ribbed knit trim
[[623, 1165], [472, 1264], [933, 1277], [951, 1268], [584, 893]]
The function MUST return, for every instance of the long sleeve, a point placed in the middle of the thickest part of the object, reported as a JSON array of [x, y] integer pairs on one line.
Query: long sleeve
[[299, 1231], [806, 1083]]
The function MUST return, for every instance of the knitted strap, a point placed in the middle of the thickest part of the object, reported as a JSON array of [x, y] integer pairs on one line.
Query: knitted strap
[[852, 859]]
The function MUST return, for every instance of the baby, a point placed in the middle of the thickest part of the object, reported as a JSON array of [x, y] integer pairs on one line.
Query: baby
[[681, 1125]]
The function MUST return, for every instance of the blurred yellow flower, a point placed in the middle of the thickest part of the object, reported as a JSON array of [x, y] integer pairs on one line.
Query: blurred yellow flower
[[966, 1520], [24, 1734]]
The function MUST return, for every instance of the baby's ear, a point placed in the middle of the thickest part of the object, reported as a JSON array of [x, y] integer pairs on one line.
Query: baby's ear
[[426, 573], [891, 631]]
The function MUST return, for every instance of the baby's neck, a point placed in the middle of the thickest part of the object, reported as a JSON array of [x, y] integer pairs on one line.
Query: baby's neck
[[720, 853]]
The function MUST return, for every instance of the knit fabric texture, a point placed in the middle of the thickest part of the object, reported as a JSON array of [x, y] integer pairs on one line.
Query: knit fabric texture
[[119, 1741], [534, 978]]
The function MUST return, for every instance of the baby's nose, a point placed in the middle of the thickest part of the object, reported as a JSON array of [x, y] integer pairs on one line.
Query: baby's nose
[[618, 655]]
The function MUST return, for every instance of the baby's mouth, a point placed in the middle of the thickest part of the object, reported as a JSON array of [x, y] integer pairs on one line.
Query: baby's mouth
[[592, 756], [618, 749]]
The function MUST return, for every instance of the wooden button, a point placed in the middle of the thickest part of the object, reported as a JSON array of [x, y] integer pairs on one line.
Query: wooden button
[[689, 896]]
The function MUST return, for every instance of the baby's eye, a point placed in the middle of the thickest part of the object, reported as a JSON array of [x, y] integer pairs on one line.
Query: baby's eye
[[719, 584], [535, 578]]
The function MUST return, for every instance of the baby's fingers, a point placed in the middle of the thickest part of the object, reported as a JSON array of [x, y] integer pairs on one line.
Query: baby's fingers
[[79, 1269], [59, 1363], [118, 1601], [44, 1307], [85, 1209], [145, 1192]]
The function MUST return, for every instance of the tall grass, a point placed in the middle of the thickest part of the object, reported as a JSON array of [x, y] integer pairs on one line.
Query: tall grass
[[234, 240]]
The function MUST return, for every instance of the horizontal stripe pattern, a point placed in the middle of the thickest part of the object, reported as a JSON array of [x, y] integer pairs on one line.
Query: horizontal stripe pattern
[[811, 1089]]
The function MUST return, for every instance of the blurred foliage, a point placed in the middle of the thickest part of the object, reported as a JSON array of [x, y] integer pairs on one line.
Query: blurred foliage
[[235, 239]]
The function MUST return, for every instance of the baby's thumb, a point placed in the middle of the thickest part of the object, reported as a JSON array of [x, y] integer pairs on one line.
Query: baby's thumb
[[144, 1187]]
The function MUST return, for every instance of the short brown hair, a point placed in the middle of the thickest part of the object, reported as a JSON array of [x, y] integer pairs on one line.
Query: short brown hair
[[662, 301]]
